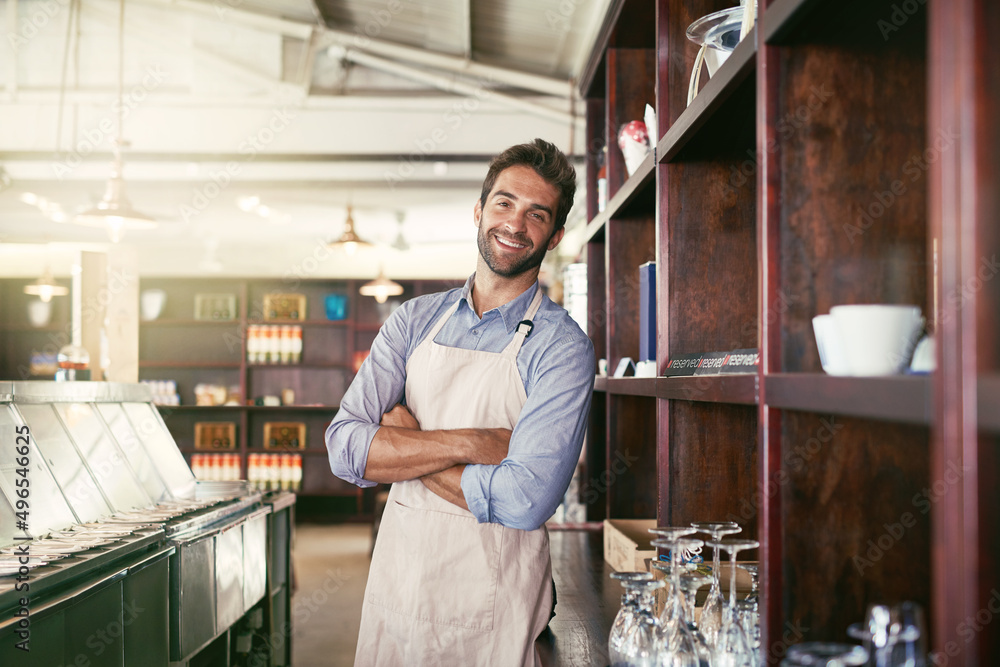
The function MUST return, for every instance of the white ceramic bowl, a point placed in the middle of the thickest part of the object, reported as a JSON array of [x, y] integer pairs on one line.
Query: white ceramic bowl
[[878, 339]]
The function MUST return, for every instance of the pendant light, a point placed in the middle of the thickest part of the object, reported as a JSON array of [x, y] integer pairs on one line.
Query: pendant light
[[114, 211], [46, 287], [381, 288], [348, 240]]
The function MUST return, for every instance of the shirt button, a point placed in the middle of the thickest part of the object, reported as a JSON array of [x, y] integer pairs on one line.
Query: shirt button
[[475, 332]]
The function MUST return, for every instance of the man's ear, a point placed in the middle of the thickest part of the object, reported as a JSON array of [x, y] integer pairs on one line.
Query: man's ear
[[556, 238], [477, 212]]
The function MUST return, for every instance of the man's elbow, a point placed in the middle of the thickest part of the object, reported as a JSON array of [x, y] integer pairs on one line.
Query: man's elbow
[[524, 518]]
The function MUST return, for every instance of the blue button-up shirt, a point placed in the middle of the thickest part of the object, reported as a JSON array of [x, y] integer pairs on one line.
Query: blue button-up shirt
[[556, 365]]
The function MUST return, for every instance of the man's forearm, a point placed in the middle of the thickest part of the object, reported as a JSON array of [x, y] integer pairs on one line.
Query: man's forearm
[[399, 454], [448, 485]]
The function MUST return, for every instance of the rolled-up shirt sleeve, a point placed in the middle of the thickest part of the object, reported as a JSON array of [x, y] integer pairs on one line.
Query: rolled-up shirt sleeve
[[525, 489], [377, 387]]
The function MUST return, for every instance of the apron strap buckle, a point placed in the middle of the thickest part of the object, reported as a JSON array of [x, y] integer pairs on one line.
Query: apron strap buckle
[[527, 323]]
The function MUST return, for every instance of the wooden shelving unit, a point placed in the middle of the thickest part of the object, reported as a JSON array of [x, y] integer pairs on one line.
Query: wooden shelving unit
[[191, 351], [842, 154]]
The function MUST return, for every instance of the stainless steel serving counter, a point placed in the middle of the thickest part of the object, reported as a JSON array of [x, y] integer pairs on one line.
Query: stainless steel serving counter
[[112, 554]]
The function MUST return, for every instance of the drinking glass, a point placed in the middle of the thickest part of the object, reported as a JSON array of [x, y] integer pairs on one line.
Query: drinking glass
[[824, 654], [667, 536], [883, 634], [679, 643], [639, 645], [747, 616], [626, 614], [711, 613], [732, 648], [754, 580]]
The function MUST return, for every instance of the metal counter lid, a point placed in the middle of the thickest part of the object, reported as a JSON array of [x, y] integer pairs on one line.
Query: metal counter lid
[[41, 391]]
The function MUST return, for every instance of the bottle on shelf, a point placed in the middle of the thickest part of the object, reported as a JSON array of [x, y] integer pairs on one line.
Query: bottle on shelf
[[252, 469], [285, 472], [274, 345], [296, 473], [296, 352], [285, 343]]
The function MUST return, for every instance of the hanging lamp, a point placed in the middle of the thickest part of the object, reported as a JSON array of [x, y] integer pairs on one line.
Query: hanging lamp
[[349, 240], [114, 212], [381, 288], [46, 287]]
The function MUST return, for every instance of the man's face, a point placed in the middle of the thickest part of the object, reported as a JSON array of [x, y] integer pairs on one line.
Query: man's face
[[516, 224]]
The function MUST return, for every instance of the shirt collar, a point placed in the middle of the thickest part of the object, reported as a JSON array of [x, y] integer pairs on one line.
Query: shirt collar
[[511, 312]]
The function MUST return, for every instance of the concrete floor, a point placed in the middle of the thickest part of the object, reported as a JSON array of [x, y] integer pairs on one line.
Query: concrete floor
[[331, 569]]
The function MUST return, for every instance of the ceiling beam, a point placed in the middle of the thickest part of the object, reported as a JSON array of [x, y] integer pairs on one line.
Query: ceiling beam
[[542, 84], [457, 87]]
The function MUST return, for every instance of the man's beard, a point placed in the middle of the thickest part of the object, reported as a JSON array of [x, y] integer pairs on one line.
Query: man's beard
[[514, 266]]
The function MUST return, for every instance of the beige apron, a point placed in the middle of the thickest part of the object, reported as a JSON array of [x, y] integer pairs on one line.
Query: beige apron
[[443, 588]]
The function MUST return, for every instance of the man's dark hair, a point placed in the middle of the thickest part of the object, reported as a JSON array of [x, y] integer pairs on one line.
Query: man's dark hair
[[548, 162]]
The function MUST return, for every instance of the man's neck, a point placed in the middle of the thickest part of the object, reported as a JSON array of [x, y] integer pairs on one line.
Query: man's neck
[[491, 291]]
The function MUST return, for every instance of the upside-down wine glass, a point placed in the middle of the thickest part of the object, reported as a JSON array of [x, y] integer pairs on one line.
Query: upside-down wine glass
[[732, 648], [711, 613], [668, 535], [639, 646], [691, 581], [626, 614], [678, 646]]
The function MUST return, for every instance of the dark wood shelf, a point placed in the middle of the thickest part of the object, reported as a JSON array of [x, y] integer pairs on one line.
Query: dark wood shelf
[[899, 398], [252, 408], [189, 364], [740, 389], [305, 323], [989, 403], [306, 452], [638, 184], [711, 99], [367, 327], [199, 408], [630, 386], [783, 16]]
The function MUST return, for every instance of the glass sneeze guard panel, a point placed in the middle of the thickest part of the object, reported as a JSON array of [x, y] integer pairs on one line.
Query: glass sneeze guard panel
[[161, 448], [131, 446], [48, 508], [63, 459], [107, 464]]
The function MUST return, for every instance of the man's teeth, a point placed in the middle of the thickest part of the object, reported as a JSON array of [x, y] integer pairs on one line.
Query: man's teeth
[[509, 244]]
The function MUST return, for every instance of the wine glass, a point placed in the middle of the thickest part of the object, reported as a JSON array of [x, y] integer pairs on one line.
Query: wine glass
[[679, 644], [626, 614], [731, 648], [748, 618], [668, 535], [691, 581], [639, 645], [753, 569], [711, 613], [824, 654]]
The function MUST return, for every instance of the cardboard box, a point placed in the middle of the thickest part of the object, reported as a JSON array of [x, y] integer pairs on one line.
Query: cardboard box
[[626, 544]]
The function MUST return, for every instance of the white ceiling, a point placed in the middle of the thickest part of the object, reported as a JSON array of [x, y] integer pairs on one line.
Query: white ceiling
[[301, 108]]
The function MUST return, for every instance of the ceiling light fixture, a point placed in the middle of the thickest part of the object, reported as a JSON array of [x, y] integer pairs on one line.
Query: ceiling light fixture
[[349, 240], [46, 287], [114, 211], [381, 288]]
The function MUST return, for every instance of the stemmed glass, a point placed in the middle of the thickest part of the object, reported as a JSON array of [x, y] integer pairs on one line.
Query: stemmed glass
[[669, 535], [731, 648], [627, 614], [711, 613], [691, 581], [679, 645], [639, 645]]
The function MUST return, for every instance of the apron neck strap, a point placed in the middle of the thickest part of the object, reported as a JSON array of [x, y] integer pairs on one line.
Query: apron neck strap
[[525, 326], [441, 320]]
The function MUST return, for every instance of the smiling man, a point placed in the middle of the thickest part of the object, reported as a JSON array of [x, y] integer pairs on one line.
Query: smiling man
[[473, 403]]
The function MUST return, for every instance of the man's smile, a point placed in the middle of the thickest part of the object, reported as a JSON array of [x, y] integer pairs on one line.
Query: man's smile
[[509, 243]]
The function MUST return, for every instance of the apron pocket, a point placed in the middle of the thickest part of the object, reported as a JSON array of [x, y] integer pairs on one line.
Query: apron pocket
[[436, 567]]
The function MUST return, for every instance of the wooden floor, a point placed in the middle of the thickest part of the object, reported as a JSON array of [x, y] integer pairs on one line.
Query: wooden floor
[[331, 568]]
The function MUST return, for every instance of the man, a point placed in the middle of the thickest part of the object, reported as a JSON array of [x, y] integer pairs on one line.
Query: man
[[497, 382]]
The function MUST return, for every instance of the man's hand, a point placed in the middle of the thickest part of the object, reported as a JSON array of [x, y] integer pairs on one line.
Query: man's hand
[[401, 417]]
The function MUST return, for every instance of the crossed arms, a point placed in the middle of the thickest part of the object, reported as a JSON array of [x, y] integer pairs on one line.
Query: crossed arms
[[401, 451]]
